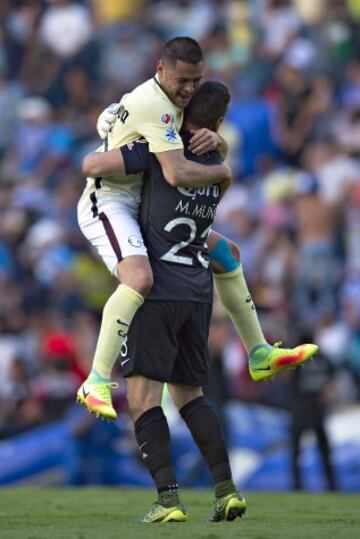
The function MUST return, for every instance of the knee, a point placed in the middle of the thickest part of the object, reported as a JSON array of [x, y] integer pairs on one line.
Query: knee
[[141, 399], [142, 281], [183, 395], [139, 279]]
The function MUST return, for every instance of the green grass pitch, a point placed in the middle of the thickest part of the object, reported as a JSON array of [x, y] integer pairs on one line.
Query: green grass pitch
[[91, 513]]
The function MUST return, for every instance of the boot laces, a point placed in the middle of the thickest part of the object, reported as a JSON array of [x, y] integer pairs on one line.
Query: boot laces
[[104, 390]]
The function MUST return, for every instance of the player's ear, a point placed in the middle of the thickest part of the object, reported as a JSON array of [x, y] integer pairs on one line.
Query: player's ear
[[160, 67]]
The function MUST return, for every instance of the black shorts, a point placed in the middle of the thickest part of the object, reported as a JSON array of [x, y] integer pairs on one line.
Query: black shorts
[[167, 341]]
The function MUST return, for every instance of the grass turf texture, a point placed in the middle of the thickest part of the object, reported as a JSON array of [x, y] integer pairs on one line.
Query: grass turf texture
[[36, 513]]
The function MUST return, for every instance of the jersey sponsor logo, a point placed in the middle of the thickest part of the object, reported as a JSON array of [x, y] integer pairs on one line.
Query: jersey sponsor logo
[[167, 118], [134, 241], [171, 134], [210, 190]]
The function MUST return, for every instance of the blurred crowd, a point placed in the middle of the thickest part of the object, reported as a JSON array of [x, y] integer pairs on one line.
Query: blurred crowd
[[294, 136]]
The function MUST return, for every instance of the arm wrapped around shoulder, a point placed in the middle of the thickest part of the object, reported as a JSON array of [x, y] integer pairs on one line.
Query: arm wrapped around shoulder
[[180, 172]]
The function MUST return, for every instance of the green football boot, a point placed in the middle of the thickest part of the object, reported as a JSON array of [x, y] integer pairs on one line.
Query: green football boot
[[266, 361], [160, 513], [228, 507], [95, 395]]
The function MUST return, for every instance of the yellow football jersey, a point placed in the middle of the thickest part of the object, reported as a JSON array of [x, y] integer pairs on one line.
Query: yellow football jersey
[[145, 112], [148, 112]]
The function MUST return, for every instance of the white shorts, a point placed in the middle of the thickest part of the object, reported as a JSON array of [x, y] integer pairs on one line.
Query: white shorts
[[110, 224]]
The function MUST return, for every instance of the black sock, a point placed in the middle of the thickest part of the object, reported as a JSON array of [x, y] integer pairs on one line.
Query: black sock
[[153, 438], [206, 431]]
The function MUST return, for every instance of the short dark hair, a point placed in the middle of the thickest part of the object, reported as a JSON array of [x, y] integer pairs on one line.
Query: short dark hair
[[208, 104], [184, 49]]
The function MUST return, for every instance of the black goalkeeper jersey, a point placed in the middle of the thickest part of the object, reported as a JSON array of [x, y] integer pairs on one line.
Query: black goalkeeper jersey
[[175, 222]]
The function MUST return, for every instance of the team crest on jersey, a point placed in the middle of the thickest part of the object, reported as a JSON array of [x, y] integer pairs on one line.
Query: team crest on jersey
[[167, 118]]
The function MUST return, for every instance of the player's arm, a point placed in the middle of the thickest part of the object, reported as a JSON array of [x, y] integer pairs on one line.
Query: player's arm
[[180, 172], [132, 159], [129, 159], [103, 164]]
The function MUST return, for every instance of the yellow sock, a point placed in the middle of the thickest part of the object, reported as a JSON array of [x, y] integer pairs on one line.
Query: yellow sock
[[234, 294], [118, 313]]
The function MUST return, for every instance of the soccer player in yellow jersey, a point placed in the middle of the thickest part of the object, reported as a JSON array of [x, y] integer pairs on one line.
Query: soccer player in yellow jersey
[[108, 210]]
